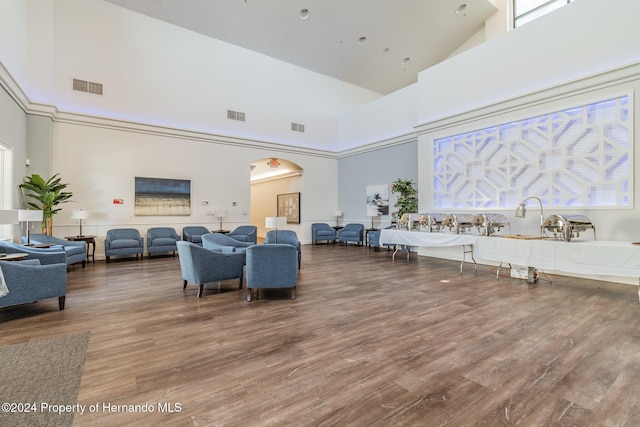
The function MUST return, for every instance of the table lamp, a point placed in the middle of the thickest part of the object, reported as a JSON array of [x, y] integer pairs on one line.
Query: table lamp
[[521, 212], [8, 217], [337, 214], [80, 215], [27, 216], [275, 222], [220, 213]]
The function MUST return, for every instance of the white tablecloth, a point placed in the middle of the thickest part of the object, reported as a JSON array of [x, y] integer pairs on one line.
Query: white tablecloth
[[421, 238]]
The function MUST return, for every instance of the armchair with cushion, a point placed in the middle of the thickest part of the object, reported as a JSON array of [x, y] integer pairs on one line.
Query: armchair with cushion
[[284, 236], [193, 234], [351, 233], [245, 233], [271, 266], [321, 231], [222, 243], [123, 241], [76, 251], [199, 265], [29, 281], [44, 255], [162, 239]]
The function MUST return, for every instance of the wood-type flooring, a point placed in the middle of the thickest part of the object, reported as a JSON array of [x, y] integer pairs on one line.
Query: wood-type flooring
[[366, 342]]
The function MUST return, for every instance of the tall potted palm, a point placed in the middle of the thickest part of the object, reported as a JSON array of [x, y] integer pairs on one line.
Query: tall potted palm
[[46, 196]]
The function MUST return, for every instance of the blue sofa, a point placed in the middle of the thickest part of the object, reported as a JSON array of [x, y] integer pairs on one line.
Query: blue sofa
[[46, 256], [272, 266], [76, 251], [123, 241], [161, 239], [29, 281], [199, 265]]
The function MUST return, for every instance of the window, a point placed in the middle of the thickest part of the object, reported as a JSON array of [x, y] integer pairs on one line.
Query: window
[[527, 10], [576, 157]]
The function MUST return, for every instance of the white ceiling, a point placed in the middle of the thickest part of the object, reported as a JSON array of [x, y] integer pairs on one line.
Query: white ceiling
[[426, 31]]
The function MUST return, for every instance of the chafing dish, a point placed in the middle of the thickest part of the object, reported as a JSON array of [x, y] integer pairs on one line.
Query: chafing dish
[[489, 223], [433, 221], [564, 227], [458, 222]]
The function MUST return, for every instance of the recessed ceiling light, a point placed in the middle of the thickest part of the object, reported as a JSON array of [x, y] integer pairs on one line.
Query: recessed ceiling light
[[304, 14], [461, 9], [406, 60], [362, 40]]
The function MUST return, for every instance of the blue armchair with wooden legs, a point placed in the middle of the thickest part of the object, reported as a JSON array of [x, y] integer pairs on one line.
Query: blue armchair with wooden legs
[[29, 281], [285, 236], [200, 266], [272, 266]]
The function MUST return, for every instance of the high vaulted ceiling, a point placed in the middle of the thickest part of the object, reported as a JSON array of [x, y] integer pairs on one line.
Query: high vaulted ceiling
[[403, 37]]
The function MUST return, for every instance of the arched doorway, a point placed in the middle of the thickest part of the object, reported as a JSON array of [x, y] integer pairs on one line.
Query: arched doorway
[[269, 178]]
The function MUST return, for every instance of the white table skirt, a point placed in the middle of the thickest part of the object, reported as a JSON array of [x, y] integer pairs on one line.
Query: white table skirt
[[420, 238]]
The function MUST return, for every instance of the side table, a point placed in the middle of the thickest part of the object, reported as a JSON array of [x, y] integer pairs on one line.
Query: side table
[[337, 228], [90, 240], [13, 257]]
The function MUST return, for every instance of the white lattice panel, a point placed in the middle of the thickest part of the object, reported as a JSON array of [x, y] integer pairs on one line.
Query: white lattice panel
[[575, 157]]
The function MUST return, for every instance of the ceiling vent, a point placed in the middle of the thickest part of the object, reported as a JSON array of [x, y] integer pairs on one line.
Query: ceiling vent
[[297, 127], [235, 115], [88, 87]]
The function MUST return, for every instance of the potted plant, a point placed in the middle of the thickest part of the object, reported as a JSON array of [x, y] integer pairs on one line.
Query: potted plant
[[407, 196], [46, 195]]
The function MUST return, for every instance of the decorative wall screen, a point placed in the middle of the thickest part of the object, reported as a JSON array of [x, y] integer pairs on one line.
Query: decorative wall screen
[[578, 157]]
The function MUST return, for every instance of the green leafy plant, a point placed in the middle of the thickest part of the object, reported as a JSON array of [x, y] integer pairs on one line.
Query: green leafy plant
[[46, 196], [407, 196]]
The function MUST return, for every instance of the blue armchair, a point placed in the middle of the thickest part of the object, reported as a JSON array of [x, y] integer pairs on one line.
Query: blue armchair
[[193, 234], [76, 251], [271, 266], [245, 233], [200, 265], [284, 236], [123, 241], [162, 239], [351, 233], [321, 231], [46, 256], [222, 243], [29, 281], [374, 239]]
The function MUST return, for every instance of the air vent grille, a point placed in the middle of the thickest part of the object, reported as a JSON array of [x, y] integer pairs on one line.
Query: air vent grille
[[235, 115], [297, 127], [88, 87]]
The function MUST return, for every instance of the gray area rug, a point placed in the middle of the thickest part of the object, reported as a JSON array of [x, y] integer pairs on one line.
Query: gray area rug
[[39, 380]]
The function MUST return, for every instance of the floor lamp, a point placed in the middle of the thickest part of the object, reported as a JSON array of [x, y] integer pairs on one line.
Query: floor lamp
[[80, 215], [27, 216], [275, 222]]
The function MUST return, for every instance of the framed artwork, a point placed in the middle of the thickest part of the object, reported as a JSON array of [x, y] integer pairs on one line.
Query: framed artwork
[[377, 200], [289, 206], [160, 196]]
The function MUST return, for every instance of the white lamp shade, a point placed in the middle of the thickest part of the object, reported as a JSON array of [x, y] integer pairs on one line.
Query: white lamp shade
[[337, 214], [275, 221], [9, 217], [220, 213], [29, 215], [79, 214]]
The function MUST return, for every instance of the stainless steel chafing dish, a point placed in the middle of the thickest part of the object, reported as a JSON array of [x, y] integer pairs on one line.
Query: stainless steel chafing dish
[[489, 223], [433, 221], [564, 227], [458, 222]]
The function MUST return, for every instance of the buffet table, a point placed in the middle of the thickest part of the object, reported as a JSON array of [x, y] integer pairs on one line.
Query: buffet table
[[591, 257], [410, 239]]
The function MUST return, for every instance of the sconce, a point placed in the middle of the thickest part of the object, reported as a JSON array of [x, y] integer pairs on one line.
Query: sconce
[[521, 211]]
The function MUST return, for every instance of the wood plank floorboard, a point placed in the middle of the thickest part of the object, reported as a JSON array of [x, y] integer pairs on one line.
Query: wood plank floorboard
[[366, 342]]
